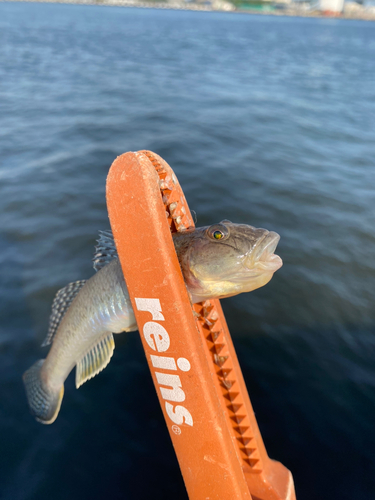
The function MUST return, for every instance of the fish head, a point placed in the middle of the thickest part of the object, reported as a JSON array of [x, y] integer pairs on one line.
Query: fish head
[[226, 259]]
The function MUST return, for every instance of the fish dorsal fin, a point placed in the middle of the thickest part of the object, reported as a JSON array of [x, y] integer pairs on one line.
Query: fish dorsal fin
[[61, 304], [105, 250], [95, 360]]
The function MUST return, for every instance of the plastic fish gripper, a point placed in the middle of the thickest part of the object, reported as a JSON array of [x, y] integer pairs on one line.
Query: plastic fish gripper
[[189, 349]]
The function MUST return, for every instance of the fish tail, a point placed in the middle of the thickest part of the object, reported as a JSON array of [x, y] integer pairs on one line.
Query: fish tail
[[44, 402]]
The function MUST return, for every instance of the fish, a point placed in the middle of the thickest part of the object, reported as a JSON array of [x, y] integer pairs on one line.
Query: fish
[[216, 261]]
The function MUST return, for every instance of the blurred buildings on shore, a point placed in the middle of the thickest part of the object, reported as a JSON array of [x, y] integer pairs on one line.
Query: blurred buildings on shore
[[303, 8], [309, 8], [331, 5]]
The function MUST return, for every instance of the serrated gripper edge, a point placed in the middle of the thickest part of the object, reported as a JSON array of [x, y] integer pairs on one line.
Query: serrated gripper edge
[[208, 321], [207, 317]]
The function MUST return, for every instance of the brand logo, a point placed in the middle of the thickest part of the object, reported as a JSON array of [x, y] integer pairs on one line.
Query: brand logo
[[170, 385]]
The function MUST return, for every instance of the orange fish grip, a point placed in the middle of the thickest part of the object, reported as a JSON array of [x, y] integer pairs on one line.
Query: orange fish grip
[[189, 349]]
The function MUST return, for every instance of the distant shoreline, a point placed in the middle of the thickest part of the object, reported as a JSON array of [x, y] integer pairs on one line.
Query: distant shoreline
[[179, 5]]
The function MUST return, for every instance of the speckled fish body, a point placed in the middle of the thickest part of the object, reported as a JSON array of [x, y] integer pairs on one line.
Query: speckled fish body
[[92, 316], [83, 339]]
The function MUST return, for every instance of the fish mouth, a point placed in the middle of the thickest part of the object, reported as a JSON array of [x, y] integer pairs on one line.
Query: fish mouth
[[263, 257]]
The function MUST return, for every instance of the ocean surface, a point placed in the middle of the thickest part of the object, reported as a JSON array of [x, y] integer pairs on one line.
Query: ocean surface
[[266, 120]]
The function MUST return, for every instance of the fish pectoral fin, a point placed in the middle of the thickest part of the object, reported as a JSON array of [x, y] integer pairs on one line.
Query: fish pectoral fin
[[95, 360], [64, 297], [132, 328]]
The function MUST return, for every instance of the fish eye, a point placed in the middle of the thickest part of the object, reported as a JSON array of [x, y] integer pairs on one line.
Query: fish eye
[[218, 232]]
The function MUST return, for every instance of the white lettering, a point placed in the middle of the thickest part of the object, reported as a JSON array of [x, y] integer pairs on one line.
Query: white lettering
[[152, 306], [174, 394], [156, 336], [183, 364], [178, 414], [163, 362], [158, 339]]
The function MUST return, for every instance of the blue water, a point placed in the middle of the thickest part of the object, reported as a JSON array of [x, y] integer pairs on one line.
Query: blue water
[[266, 120]]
